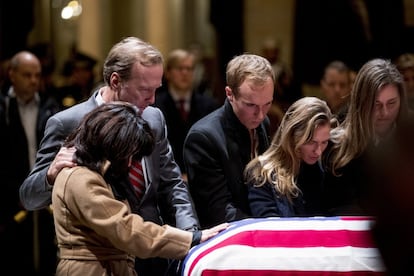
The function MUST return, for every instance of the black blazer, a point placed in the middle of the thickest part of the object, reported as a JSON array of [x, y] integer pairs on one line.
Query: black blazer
[[216, 151], [15, 164]]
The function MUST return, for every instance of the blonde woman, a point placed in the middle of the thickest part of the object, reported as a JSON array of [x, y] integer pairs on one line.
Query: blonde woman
[[286, 179]]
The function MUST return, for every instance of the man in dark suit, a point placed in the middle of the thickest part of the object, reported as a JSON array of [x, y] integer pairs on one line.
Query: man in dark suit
[[181, 104], [218, 147], [24, 112], [132, 72]]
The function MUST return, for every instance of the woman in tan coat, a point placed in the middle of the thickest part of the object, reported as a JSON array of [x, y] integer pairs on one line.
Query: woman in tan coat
[[96, 232]]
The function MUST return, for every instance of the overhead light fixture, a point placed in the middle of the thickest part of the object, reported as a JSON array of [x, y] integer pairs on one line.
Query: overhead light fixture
[[72, 9]]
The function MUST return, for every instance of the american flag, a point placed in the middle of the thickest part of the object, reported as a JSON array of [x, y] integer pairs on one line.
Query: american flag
[[288, 246]]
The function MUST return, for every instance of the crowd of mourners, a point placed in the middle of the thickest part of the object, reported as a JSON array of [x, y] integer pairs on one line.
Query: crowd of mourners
[[68, 206]]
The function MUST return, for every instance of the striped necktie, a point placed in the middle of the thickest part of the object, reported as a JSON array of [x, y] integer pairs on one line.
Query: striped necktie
[[136, 177]]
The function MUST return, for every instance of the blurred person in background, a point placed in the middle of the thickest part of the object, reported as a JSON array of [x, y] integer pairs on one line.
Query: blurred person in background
[[80, 80], [179, 101], [336, 86], [204, 73], [28, 235], [405, 64], [391, 178]]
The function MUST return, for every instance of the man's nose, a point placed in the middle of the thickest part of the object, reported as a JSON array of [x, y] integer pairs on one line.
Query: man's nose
[[261, 112]]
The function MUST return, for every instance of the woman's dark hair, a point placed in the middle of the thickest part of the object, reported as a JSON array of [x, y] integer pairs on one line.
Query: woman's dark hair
[[111, 132]]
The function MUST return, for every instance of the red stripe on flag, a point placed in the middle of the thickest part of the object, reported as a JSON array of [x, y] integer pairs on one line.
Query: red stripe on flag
[[300, 238], [228, 272]]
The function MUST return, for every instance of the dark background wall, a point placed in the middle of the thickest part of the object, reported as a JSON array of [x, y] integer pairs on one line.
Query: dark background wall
[[324, 30], [16, 21], [327, 30], [227, 19]]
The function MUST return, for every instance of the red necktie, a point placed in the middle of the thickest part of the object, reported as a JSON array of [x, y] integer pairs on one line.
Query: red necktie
[[183, 112], [136, 177]]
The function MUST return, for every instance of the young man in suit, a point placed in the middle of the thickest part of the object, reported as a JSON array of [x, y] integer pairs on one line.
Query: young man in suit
[[218, 147], [181, 104]]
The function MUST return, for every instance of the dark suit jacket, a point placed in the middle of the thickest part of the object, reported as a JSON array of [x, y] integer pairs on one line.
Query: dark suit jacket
[[201, 105], [167, 199], [343, 193], [15, 155], [216, 151], [16, 235]]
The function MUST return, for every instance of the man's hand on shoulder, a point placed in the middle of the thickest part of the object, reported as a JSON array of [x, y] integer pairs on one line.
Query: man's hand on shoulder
[[64, 158]]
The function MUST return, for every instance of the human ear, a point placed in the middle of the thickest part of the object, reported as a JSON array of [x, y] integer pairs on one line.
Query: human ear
[[229, 93], [115, 81]]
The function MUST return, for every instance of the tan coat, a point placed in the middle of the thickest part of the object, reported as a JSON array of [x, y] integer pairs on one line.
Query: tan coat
[[98, 235]]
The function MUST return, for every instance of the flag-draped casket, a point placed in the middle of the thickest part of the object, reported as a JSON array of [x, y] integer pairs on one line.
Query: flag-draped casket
[[289, 246]]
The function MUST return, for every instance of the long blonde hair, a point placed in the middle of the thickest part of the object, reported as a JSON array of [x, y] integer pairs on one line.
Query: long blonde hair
[[280, 163]]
